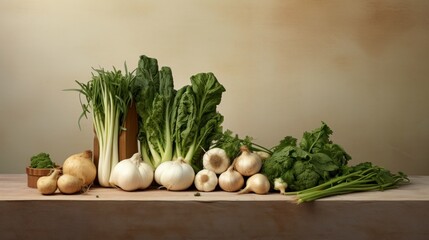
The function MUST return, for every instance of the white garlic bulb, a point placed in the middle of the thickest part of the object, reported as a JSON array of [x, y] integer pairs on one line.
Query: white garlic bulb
[[175, 175], [131, 174]]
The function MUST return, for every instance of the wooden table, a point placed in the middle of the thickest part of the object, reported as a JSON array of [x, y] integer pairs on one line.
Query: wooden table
[[103, 213]]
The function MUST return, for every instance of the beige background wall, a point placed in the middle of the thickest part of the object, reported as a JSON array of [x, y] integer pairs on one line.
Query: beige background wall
[[360, 66]]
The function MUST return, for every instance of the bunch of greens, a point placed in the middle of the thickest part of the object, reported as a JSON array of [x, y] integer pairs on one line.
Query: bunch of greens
[[176, 124], [362, 177], [41, 160], [315, 160], [108, 97]]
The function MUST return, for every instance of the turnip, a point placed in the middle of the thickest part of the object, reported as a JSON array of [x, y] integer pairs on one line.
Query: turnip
[[248, 163], [205, 180], [48, 184], [231, 180], [258, 184], [69, 184], [216, 160], [80, 165]]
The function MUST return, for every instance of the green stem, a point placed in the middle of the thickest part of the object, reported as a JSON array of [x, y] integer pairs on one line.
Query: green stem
[[314, 143], [327, 184], [366, 182], [261, 148]]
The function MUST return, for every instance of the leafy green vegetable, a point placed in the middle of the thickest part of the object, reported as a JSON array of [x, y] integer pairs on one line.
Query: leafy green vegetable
[[172, 123], [41, 160], [154, 100], [359, 178], [315, 160], [197, 122]]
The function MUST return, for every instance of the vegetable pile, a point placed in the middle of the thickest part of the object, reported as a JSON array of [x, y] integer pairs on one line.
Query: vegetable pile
[[182, 143], [317, 168], [231, 176], [77, 175]]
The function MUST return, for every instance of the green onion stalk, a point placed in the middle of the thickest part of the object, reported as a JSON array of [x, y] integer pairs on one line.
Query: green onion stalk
[[109, 95], [360, 178]]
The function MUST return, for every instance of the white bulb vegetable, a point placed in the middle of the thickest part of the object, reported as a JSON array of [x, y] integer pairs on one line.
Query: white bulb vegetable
[[175, 175], [205, 180], [216, 160], [248, 163], [231, 180], [257, 183], [131, 174], [280, 185]]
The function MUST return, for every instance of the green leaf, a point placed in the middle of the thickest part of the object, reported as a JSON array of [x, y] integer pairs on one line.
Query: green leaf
[[313, 141], [185, 123], [208, 94], [166, 84], [231, 143], [323, 162], [285, 142], [337, 153]]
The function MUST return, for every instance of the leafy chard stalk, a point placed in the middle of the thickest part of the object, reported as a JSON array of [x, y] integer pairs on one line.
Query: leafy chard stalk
[[154, 97], [197, 121]]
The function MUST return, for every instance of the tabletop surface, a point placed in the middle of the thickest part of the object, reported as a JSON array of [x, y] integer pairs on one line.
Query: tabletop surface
[[13, 187]]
